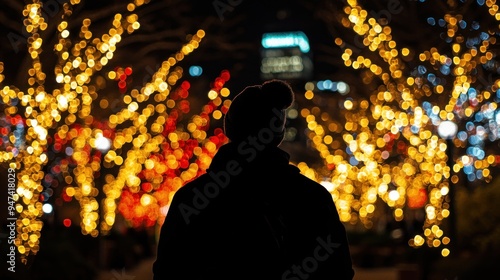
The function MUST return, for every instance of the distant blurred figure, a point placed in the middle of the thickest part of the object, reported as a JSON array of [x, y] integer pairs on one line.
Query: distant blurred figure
[[253, 215]]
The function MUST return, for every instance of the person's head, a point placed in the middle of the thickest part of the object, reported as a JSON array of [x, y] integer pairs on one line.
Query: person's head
[[259, 111]]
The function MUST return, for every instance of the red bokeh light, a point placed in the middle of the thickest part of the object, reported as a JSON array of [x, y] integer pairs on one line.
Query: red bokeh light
[[67, 222]]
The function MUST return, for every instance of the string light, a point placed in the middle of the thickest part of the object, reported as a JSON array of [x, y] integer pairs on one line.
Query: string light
[[395, 122], [78, 61], [165, 154]]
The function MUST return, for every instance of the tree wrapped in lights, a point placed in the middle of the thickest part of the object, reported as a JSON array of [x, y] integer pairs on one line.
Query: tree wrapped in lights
[[56, 140], [54, 134], [392, 151], [41, 109]]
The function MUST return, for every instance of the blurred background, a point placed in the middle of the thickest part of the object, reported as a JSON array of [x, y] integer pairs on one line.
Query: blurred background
[[109, 107]]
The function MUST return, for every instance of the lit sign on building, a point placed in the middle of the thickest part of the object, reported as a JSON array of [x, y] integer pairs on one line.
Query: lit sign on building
[[286, 39], [285, 55]]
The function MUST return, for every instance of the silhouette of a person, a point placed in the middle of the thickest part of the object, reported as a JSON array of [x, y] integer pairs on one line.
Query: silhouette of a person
[[253, 215]]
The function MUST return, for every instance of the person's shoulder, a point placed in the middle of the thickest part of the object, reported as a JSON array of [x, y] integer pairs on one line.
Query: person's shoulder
[[188, 189], [308, 183]]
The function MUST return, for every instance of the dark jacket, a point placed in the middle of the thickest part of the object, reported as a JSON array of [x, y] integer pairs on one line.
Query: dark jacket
[[252, 215]]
